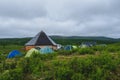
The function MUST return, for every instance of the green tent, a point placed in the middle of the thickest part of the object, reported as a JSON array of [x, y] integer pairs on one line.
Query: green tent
[[68, 47], [32, 51], [74, 47]]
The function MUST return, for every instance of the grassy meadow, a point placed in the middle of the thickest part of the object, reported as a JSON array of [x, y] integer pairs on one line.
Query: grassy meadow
[[94, 63]]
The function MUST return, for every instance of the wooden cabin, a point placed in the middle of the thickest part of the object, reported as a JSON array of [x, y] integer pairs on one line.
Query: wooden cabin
[[41, 40]]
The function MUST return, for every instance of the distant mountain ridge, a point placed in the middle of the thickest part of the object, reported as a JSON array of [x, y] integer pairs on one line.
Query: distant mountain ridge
[[73, 37], [84, 37], [65, 40]]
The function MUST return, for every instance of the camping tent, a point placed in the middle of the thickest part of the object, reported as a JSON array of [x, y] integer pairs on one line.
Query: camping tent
[[68, 47], [74, 47], [87, 44], [46, 50], [13, 54], [31, 51], [59, 46]]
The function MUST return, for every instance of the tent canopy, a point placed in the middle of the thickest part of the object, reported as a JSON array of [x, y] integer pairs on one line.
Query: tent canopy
[[32, 51], [68, 47], [74, 47], [46, 50], [13, 54]]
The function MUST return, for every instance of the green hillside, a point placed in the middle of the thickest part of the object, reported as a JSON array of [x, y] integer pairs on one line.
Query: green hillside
[[95, 63], [77, 40], [92, 63]]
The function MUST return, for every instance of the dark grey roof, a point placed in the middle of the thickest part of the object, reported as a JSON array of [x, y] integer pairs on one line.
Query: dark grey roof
[[41, 39]]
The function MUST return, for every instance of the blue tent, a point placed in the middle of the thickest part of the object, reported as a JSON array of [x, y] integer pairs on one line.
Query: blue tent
[[14, 53], [46, 50], [68, 47]]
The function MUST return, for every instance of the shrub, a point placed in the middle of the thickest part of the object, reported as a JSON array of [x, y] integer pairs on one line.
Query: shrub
[[25, 64], [83, 66], [112, 49], [97, 74], [78, 76], [14, 74], [86, 51], [48, 56], [99, 48], [63, 73], [5, 75], [65, 52]]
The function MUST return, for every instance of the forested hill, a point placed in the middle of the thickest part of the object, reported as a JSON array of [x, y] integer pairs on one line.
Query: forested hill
[[80, 39], [85, 37], [61, 40]]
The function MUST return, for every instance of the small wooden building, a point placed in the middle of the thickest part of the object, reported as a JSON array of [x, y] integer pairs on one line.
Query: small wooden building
[[41, 40]]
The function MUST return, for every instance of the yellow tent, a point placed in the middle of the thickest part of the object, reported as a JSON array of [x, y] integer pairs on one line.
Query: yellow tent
[[32, 51]]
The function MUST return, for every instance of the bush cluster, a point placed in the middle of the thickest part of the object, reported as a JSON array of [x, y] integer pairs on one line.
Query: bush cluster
[[105, 67], [85, 51]]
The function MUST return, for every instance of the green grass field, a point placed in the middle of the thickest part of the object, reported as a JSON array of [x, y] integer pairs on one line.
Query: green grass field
[[95, 63]]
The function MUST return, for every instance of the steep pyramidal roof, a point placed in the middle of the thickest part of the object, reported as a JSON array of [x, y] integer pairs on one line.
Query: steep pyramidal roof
[[40, 39]]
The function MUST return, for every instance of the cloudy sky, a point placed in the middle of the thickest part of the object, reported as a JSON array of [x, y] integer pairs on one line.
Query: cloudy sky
[[25, 18]]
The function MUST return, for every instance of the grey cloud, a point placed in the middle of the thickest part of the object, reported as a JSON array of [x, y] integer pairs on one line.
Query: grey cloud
[[22, 8], [24, 18]]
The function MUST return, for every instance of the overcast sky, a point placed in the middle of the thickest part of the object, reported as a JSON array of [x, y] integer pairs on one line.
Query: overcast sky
[[25, 18]]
